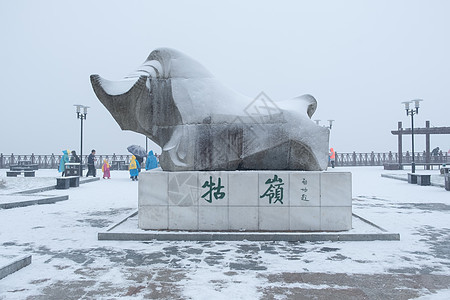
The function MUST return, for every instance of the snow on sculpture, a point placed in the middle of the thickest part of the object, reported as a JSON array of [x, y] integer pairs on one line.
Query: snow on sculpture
[[201, 124]]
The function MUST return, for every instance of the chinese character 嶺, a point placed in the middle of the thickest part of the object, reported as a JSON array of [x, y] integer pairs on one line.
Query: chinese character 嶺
[[275, 190]]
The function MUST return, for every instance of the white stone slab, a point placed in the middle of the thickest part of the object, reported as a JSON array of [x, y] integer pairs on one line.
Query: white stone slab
[[304, 189], [213, 218], [274, 218], [273, 189], [154, 217], [183, 188], [336, 189], [153, 188], [182, 217], [335, 218], [213, 188], [244, 191], [304, 218], [253, 200], [243, 218]]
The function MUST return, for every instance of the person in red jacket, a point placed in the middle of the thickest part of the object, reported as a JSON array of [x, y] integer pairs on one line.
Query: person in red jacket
[[332, 157]]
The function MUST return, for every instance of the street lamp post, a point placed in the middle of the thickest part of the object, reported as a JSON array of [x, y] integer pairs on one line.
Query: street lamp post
[[411, 112], [82, 116], [330, 123]]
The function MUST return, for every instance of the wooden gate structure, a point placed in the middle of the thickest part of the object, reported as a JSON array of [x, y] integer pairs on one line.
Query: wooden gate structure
[[427, 131]]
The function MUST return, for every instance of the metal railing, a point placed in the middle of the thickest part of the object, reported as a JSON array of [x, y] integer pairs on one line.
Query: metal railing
[[380, 159], [342, 159], [52, 161]]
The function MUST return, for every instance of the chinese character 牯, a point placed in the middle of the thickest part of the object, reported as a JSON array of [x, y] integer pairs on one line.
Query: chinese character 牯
[[211, 185]]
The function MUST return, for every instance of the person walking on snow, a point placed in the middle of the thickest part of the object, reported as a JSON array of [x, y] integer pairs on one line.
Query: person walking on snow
[[74, 158], [152, 162], [62, 163], [91, 164], [105, 169], [134, 168], [332, 157]]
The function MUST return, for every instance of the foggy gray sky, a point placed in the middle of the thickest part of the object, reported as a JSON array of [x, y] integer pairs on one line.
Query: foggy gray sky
[[359, 59]]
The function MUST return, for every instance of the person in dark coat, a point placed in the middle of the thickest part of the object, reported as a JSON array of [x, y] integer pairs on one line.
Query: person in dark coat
[[435, 151], [74, 158], [91, 164]]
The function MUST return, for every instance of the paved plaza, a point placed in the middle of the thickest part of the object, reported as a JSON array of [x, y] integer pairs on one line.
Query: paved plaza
[[69, 262]]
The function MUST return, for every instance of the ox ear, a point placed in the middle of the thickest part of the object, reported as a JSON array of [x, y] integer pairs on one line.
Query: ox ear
[[308, 102], [311, 102]]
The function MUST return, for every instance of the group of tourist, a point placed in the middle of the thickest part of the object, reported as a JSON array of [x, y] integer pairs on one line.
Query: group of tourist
[[134, 167], [136, 163]]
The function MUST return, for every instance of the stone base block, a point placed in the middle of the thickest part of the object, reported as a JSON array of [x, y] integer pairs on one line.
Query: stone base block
[[245, 201]]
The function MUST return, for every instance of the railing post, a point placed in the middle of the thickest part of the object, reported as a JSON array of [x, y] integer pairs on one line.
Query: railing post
[[400, 142], [52, 159], [354, 158], [336, 161], [1, 160], [427, 145]]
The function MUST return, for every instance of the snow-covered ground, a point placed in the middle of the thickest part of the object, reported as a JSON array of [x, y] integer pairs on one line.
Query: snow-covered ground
[[69, 262]]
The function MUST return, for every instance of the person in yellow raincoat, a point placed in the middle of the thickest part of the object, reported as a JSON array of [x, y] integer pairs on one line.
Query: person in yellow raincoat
[[105, 169], [134, 168]]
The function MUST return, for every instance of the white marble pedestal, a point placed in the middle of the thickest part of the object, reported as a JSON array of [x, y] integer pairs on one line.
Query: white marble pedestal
[[245, 200]]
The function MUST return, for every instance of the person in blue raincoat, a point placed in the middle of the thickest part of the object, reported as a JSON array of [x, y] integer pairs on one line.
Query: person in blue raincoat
[[134, 168], [62, 163], [152, 162]]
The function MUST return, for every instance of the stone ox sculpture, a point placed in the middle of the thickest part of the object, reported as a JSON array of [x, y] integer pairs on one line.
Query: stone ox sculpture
[[201, 124]]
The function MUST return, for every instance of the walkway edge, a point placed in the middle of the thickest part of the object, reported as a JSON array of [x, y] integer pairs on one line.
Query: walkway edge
[[166, 235], [15, 266], [254, 237], [49, 200], [398, 177], [52, 187]]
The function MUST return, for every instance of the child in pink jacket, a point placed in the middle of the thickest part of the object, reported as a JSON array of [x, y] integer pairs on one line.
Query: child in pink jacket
[[105, 169]]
